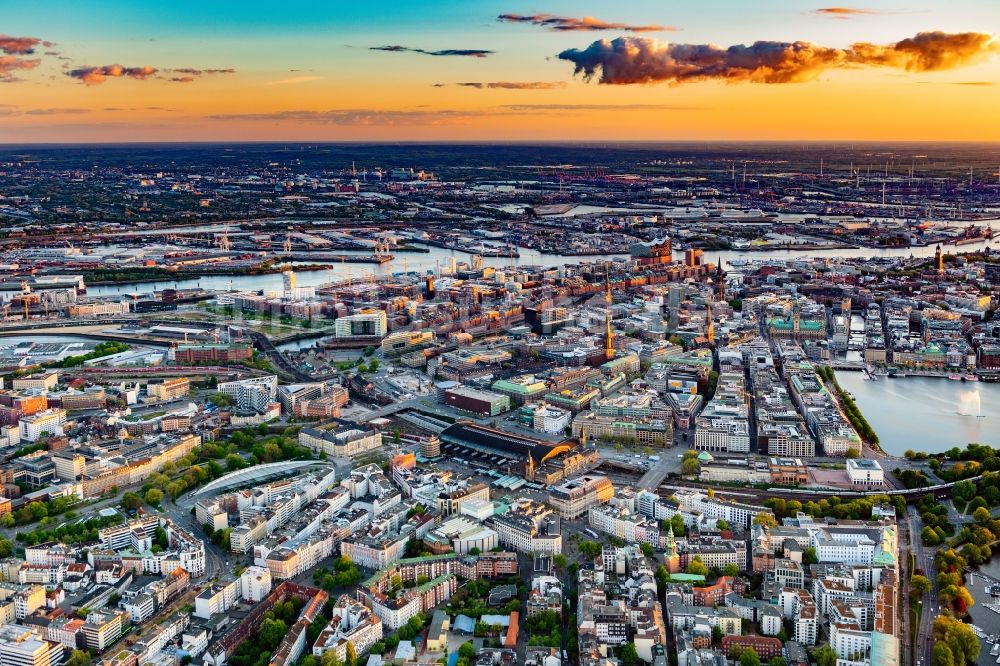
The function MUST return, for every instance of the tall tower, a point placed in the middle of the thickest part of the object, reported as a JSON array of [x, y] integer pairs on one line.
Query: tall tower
[[608, 298], [938, 260], [709, 323], [288, 281], [720, 282], [671, 557], [609, 338]]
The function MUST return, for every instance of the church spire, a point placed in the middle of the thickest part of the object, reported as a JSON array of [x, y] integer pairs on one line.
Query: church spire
[[609, 338]]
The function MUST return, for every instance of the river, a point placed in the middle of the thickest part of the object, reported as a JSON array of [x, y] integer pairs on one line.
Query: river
[[440, 257], [926, 413], [404, 261]]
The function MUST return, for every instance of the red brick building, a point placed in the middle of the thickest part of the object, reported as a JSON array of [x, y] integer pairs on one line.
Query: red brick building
[[765, 647]]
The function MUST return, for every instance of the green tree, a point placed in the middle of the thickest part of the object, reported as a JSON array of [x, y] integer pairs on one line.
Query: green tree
[[809, 556], [961, 640], [79, 658], [731, 570], [677, 524], [765, 520], [777, 661], [590, 549], [662, 576], [271, 632], [350, 655], [749, 657], [154, 496], [466, 651], [696, 567], [131, 501], [942, 655], [919, 585], [628, 655], [825, 656], [220, 400], [690, 466], [722, 524], [647, 549]]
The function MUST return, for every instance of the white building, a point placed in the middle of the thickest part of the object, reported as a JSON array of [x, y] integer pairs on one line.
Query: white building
[[255, 583], [552, 420], [530, 527], [353, 623], [370, 323], [217, 599], [47, 423], [865, 472], [252, 394]]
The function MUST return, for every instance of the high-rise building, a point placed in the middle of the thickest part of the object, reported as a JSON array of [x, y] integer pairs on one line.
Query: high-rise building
[[22, 646]]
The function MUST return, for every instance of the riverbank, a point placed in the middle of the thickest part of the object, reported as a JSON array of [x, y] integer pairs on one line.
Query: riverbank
[[850, 409], [134, 277]]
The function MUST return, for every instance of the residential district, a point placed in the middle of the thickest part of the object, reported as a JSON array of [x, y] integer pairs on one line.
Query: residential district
[[645, 456]]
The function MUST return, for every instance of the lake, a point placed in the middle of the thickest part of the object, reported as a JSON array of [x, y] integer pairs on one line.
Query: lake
[[926, 413]]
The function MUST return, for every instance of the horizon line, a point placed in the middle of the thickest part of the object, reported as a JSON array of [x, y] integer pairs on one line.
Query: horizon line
[[490, 142]]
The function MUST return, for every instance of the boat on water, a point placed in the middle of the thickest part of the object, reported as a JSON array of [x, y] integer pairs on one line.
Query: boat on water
[[971, 378], [955, 378], [995, 651]]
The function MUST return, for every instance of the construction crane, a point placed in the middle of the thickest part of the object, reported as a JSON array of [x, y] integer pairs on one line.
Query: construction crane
[[223, 241], [287, 245]]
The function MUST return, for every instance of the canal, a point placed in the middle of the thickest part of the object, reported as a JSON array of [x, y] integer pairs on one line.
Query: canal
[[926, 413]]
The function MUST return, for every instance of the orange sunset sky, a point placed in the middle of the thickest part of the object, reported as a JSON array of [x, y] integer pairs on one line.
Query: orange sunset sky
[[112, 71]]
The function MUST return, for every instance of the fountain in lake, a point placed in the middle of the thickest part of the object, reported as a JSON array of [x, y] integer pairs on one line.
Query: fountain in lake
[[969, 403]]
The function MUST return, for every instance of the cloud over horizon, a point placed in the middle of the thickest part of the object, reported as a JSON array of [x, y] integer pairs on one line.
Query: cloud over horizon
[[469, 53], [578, 24], [20, 45], [629, 60], [845, 12], [11, 62], [93, 76], [511, 85]]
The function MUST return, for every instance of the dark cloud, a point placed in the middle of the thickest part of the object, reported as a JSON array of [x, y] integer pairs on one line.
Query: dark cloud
[[20, 45], [575, 24], [97, 75], [93, 76], [627, 60], [468, 53]]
